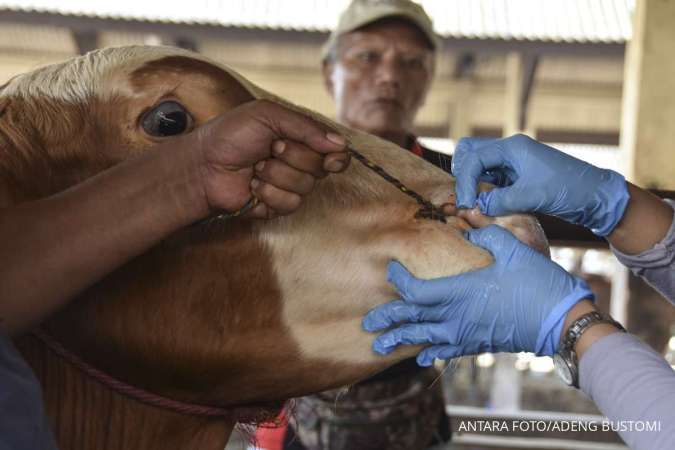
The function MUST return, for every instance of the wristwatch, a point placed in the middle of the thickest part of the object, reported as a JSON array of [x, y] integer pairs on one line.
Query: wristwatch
[[565, 359]]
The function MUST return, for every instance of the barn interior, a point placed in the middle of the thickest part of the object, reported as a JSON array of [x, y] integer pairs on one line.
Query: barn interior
[[595, 79]]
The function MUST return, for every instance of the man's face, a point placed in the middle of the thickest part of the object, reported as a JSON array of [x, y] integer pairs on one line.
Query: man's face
[[380, 77]]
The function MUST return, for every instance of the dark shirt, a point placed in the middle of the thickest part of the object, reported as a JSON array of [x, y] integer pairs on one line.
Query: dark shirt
[[23, 424], [440, 160]]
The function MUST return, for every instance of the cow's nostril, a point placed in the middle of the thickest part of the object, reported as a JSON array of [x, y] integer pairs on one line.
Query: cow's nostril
[[449, 209], [431, 212]]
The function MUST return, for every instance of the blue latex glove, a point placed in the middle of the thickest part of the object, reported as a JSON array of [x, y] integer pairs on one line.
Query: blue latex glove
[[535, 177], [517, 304]]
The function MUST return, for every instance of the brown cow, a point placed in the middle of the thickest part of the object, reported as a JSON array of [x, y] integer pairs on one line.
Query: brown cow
[[228, 314]]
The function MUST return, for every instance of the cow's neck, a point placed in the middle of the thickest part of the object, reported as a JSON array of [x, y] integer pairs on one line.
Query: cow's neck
[[87, 415]]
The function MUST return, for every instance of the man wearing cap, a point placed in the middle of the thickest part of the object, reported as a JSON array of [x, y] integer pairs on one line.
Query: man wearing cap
[[378, 65]]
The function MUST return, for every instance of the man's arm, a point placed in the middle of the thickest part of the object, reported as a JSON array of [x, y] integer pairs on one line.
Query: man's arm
[[55, 247], [656, 263], [645, 222]]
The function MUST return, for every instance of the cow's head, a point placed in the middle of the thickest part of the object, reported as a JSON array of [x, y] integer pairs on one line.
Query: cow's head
[[228, 313]]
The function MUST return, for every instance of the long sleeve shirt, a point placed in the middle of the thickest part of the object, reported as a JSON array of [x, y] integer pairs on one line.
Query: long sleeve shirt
[[629, 382]]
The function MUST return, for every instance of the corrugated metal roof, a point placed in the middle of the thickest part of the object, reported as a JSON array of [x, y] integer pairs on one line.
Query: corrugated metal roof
[[536, 20], [545, 20]]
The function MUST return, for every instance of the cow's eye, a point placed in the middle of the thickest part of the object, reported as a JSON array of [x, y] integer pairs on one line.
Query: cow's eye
[[166, 119]]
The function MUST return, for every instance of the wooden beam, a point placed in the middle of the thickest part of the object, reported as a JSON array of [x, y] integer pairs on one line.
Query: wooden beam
[[501, 46], [465, 65], [85, 40], [513, 93], [521, 69], [186, 43], [530, 63], [647, 132]]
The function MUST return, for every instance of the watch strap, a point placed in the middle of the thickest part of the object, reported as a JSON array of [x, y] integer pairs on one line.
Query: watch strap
[[583, 323]]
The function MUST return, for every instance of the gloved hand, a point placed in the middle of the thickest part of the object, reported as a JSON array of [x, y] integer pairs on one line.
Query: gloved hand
[[535, 177], [517, 304]]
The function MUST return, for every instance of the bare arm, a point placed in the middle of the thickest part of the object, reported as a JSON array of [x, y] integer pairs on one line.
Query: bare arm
[[645, 222], [55, 247]]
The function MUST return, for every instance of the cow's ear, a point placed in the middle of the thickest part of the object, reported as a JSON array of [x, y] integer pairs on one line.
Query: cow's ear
[[19, 155], [6, 197], [5, 194], [13, 139], [5, 103]]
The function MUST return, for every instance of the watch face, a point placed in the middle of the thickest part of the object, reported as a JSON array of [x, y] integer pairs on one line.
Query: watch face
[[562, 369]]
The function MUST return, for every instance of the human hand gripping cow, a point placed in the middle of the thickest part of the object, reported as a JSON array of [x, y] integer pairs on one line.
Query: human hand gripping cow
[[258, 147], [268, 150], [525, 302], [483, 310]]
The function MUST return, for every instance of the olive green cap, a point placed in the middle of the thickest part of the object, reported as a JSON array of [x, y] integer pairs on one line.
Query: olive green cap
[[362, 12]]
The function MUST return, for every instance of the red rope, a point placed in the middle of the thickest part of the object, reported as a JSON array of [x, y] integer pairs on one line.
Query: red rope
[[125, 389]]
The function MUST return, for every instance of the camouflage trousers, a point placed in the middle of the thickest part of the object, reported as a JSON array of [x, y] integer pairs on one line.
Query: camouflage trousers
[[400, 413]]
